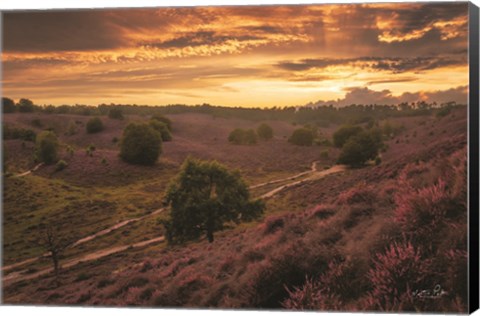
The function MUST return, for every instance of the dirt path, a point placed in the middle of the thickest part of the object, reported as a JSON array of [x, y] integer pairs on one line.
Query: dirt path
[[21, 276], [313, 169], [315, 175], [85, 239], [26, 173]]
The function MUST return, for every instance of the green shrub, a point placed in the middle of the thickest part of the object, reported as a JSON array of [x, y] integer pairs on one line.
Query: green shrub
[[378, 161], [359, 149], [116, 114], [444, 111], [242, 137], [140, 144], [302, 137], [162, 128], [8, 105], [25, 106], [60, 165], [46, 147], [18, 133], [265, 131], [164, 120], [341, 136], [94, 125]]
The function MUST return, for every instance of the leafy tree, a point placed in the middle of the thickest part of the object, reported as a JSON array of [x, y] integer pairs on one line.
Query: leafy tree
[[162, 129], [203, 197], [25, 106], [164, 120], [302, 137], [115, 113], [46, 147], [8, 105], [360, 148], [140, 144], [341, 136], [265, 131], [94, 125], [242, 137]]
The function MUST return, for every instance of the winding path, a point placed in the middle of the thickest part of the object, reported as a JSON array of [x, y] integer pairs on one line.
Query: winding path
[[26, 173], [21, 275]]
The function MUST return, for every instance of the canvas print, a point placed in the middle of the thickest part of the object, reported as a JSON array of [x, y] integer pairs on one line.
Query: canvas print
[[280, 157]]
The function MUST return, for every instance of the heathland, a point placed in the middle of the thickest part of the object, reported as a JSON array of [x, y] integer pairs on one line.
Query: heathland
[[364, 207]]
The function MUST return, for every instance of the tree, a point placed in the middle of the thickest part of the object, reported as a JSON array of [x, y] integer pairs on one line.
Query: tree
[[341, 136], [94, 125], [115, 113], [164, 120], [360, 148], [242, 137], [203, 197], [8, 105], [162, 129], [25, 106], [46, 147], [302, 137], [51, 240], [140, 144], [265, 131]]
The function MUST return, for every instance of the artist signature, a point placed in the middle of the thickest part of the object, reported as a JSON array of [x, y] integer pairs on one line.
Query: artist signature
[[437, 292]]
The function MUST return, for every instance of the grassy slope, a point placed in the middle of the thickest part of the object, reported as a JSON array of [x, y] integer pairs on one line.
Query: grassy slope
[[250, 264]]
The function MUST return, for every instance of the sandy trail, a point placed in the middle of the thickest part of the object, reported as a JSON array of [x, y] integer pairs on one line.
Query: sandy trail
[[26, 173], [20, 275], [315, 176], [313, 169], [85, 239]]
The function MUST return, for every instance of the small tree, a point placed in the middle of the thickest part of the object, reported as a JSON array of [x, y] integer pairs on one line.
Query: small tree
[[242, 137], [265, 131], [164, 120], [203, 197], [51, 240], [115, 113], [360, 148], [94, 125], [46, 147], [162, 129], [25, 106], [140, 144], [8, 105], [341, 136], [302, 137]]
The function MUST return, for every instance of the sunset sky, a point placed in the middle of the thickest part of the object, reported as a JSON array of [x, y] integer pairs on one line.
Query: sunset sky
[[253, 56]]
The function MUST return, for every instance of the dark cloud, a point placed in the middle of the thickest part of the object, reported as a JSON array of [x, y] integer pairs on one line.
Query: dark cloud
[[363, 95], [390, 64], [48, 31], [194, 39]]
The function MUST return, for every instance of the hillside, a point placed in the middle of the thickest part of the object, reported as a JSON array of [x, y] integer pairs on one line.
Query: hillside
[[327, 240]]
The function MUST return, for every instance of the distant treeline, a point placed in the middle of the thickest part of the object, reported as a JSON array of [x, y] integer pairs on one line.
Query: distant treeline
[[321, 115]]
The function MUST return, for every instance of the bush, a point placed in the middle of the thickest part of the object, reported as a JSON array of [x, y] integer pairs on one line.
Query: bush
[[61, 164], [302, 137], [242, 137], [444, 111], [18, 133], [116, 114], [360, 148], [324, 154], [8, 105], [94, 125], [344, 133], [162, 129], [25, 106], [140, 144], [164, 120], [46, 147], [265, 132]]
